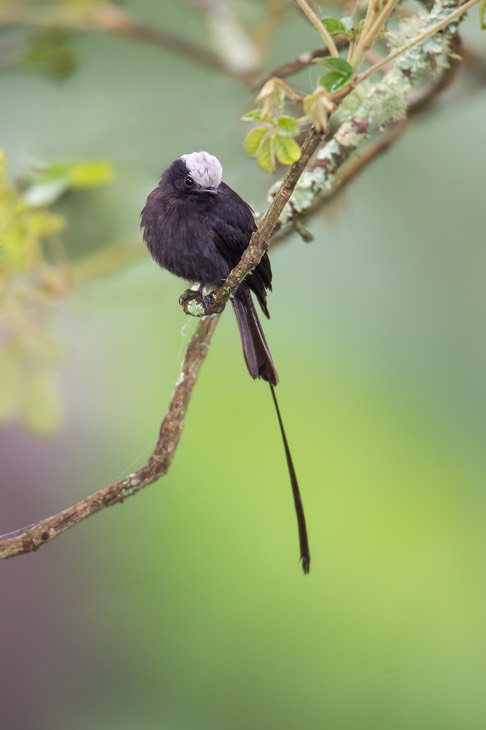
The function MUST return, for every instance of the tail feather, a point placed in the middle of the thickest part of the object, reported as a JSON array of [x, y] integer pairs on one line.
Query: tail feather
[[255, 349], [260, 365], [299, 507]]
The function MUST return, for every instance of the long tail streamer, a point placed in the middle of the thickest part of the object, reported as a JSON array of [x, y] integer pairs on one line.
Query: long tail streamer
[[299, 507]]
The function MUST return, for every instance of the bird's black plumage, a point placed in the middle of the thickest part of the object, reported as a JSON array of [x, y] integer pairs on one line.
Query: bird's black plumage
[[200, 235], [197, 227]]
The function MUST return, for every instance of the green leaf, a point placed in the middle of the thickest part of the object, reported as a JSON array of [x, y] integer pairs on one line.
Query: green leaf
[[333, 81], [266, 154], [341, 72], [286, 149], [252, 116], [288, 127], [253, 140], [333, 25], [482, 14], [336, 64]]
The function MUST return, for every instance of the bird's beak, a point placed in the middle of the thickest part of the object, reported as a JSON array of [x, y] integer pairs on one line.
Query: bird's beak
[[211, 191]]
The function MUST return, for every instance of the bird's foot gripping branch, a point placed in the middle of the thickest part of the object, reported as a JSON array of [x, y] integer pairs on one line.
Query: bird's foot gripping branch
[[196, 304], [192, 301]]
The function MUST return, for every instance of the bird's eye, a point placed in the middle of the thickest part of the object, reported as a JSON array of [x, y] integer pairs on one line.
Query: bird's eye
[[188, 182]]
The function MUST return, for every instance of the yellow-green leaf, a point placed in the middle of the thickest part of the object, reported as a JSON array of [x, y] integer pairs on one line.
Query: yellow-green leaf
[[333, 25], [265, 154], [252, 116], [253, 139], [288, 126], [286, 149]]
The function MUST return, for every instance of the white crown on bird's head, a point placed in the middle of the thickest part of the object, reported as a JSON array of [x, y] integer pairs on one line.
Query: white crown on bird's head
[[205, 169]]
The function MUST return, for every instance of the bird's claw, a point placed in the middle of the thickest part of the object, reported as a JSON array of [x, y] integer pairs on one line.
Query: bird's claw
[[207, 304], [190, 294], [194, 303]]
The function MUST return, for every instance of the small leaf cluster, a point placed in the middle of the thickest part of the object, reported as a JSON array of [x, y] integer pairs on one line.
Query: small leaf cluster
[[23, 230], [273, 139]]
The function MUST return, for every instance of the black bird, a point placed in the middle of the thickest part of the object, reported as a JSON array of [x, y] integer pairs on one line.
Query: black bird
[[197, 227]]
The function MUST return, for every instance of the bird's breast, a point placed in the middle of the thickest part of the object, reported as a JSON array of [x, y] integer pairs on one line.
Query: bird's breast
[[180, 237]]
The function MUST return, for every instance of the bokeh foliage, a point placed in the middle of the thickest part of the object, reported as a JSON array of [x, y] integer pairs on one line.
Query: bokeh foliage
[[34, 275]]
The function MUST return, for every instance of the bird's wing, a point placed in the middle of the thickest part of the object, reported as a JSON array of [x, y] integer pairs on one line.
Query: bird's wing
[[231, 237]]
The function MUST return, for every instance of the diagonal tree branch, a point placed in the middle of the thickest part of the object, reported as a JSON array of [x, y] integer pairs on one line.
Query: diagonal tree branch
[[386, 137], [260, 240], [318, 26], [32, 537]]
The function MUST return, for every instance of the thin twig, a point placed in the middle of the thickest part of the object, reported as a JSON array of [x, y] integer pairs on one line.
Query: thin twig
[[370, 32], [319, 26], [32, 537], [377, 24], [297, 64]]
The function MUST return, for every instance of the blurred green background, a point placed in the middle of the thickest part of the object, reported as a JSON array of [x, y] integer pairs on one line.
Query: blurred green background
[[186, 608]]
